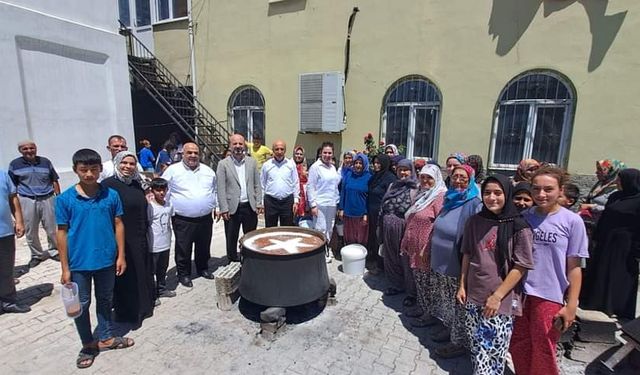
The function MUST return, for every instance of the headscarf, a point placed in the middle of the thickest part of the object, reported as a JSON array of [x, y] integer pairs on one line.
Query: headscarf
[[304, 158], [630, 182], [459, 156], [454, 198], [523, 166], [395, 159], [418, 164], [128, 179], [400, 186], [475, 161], [427, 196], [393, 147], [522, 186], [611, 168], [385, 167], [365, 164], [509, 221], [344, 169]]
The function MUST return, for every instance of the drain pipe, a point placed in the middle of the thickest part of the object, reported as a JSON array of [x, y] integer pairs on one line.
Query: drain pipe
[[194, 87]]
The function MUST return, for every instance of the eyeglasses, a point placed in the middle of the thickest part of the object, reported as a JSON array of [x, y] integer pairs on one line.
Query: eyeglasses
[[459, 178]]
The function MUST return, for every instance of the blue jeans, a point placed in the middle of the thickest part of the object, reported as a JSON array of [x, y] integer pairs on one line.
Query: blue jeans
[[104, 280]]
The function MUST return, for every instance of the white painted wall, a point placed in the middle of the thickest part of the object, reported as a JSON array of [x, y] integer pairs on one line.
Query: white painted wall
[[65, 81]]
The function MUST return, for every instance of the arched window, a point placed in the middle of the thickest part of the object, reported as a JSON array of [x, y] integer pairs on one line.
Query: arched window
[[246, 109], [533, 119], [411, 116]]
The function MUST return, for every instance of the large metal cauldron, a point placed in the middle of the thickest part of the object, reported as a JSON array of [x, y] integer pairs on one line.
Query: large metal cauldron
[[283, 266]]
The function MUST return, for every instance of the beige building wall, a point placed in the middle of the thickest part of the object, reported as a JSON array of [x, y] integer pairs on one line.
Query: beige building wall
[[469, 49], [171, 46]]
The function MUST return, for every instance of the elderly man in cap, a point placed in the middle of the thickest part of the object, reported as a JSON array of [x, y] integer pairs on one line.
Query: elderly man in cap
[[36, 182]]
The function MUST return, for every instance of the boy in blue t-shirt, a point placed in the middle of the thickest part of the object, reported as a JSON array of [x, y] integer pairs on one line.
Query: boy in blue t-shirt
[[89, 251]]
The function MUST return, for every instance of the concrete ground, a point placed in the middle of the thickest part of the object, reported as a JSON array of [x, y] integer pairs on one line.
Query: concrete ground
[[363, 333]]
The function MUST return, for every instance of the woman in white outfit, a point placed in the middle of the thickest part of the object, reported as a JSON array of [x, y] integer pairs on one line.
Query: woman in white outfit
[[323, 193]]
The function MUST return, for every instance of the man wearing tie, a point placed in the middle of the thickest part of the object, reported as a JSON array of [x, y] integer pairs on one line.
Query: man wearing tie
[[239, 194], [281, 186]]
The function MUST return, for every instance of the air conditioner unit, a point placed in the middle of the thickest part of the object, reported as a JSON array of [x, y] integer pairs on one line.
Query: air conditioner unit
[[322, 102]]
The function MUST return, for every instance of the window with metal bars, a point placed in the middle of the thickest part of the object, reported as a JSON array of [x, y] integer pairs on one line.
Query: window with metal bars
[[246, 112], [411, 116], [533, 120]]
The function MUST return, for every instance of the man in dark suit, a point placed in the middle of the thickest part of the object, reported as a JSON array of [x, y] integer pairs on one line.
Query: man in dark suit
[[239, 193]]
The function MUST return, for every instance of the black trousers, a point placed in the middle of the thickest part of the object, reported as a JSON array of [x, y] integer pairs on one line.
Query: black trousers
[[191, 231], [160, 265], [278, 209], [244, 216], [7, 261]]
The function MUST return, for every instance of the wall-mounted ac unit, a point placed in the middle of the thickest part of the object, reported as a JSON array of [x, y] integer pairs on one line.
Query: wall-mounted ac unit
[[322, 102]]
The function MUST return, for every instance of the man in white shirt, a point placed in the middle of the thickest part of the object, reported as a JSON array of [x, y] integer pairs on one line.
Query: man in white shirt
[[281, 187], [239, 194], [192, 192], [115, 144]]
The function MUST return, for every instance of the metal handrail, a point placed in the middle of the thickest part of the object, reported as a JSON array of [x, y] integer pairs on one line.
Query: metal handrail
[[203, 125]]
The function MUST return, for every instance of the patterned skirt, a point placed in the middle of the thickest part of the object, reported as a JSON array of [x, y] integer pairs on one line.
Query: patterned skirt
[[445, 307], [423, 288], [489, 339]]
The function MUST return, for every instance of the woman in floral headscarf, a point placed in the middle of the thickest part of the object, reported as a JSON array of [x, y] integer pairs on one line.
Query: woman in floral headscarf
[[134, 290], [416, 243], [526, 169], [461, 201], [607, 172], [455, 159]]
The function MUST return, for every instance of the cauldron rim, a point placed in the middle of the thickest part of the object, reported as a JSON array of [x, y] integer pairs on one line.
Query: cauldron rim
[[247, 252]]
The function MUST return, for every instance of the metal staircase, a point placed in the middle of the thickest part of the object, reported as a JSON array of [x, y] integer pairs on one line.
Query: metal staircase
[[148, 73]]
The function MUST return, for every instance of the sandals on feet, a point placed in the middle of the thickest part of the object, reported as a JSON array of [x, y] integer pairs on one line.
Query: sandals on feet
[[118, 343], [86, 357]]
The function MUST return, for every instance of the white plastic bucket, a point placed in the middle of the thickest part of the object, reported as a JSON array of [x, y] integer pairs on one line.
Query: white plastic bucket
[[71, 299], [353, 259]]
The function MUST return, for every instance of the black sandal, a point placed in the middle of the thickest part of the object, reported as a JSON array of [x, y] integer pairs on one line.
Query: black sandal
[[86, 357], [118, 343]]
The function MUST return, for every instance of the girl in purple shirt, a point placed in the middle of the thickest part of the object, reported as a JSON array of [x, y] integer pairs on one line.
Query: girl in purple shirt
[[553, 286]]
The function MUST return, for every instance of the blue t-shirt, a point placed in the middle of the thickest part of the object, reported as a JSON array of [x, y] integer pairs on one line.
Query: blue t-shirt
[[91, 240], [163, 158], [6, 189], [146, 158]]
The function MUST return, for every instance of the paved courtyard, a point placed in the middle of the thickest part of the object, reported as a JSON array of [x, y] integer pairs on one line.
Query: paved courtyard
[[363, 333]]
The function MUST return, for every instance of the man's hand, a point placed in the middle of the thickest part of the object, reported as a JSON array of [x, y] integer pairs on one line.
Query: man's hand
[[225, 216], [66, 277], [314, 211], [340, 214], [121, 266], [19, 229], [260, 210], [295, 208]]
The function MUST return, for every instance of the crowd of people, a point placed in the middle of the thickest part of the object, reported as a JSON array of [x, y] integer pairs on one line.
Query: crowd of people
[[494, 264]]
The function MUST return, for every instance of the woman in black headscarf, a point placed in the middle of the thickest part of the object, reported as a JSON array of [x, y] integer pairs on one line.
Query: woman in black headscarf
[[134, 291], [378, 186], [497, 248], [611, 277]]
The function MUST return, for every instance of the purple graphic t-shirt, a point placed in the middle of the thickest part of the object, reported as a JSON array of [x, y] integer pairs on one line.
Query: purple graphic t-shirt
[[556, 237]]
